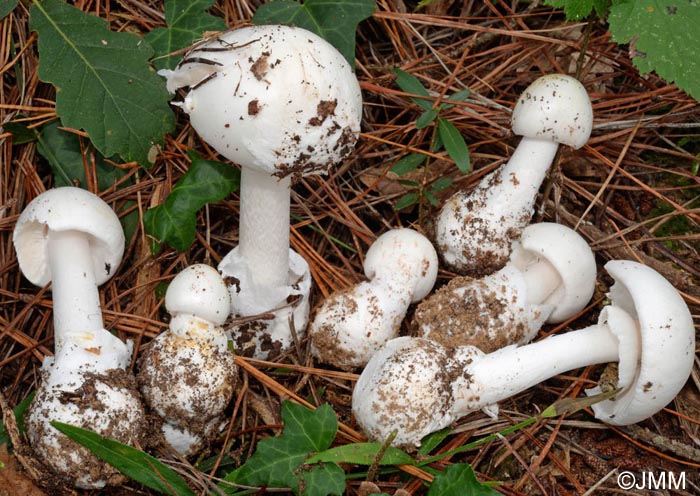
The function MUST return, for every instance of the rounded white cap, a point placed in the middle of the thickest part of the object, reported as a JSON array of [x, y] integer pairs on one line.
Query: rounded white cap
[[667, 338], [67, 209], [404, 254], [554, 107], [570, 256], [277, 98], [199, 290]]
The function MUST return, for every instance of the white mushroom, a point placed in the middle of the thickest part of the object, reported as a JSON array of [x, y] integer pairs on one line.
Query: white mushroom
[[73, 239], [279, 101], [550, 277], [416, 386], [187, 374], [352, 324], [474, 230]]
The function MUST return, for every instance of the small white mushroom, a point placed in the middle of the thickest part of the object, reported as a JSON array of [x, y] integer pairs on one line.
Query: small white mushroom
[[352, 324], [474, 230], [550, 277], [73, 239], [279, 101], [187, 375], [416, 386]]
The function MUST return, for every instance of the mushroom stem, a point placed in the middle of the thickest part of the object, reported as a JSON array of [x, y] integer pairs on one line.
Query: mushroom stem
[[510, 370], [541, 279], [527, 167], [76, 306], [264, 226]]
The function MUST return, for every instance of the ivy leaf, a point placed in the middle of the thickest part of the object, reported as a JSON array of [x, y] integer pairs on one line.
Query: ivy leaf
[[103, 81], [333, 20], [277, 460], [132, 462], [187, 21], [323, 480], [7, 6], [175, 221], [663, 37], [61, 150], [459, 480], [454, 143]]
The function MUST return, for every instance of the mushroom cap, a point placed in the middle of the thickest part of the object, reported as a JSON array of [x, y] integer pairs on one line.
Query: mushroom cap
[[554, 107], [276, 98], [667, 339], [403, 254], [571, 257], [67, 209], [199, 290], [405, 386]]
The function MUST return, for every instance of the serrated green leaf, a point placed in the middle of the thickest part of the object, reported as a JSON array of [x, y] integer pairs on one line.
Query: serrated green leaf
[[408, 163], [406, 201], [7, 6], [18, 412], [362, 454], [175, 221], [411, 84], [454, 144], [573, 9], [333, 20], [426, 118], [277, 460], [103, 81], [187, 21], [132, 462], [21, 134], [663, 37], [459, 480], [323, 480], [62, 151]]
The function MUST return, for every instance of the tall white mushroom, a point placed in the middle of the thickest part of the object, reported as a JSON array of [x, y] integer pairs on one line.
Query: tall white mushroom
[[279, 101], [416, 386], [72, 239], [352, 324], [474, 230], [187, 374], [550, 277]]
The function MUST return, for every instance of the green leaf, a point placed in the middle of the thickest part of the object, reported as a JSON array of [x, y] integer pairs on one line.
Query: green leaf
[[7, 6], [21, 134], [187, 21], [18, 412], [663, 37], [441, 183], [431, 198], [62, 151], [459, 96], [406, 201], [175, 221], [427, 118], [323, 480], [433, 440], [277, 460], [454, 144], [573, 9], [362, 454], [333, 20], [133, 463], [103, 81], [411, 84], [459, 480], [408, 163]]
